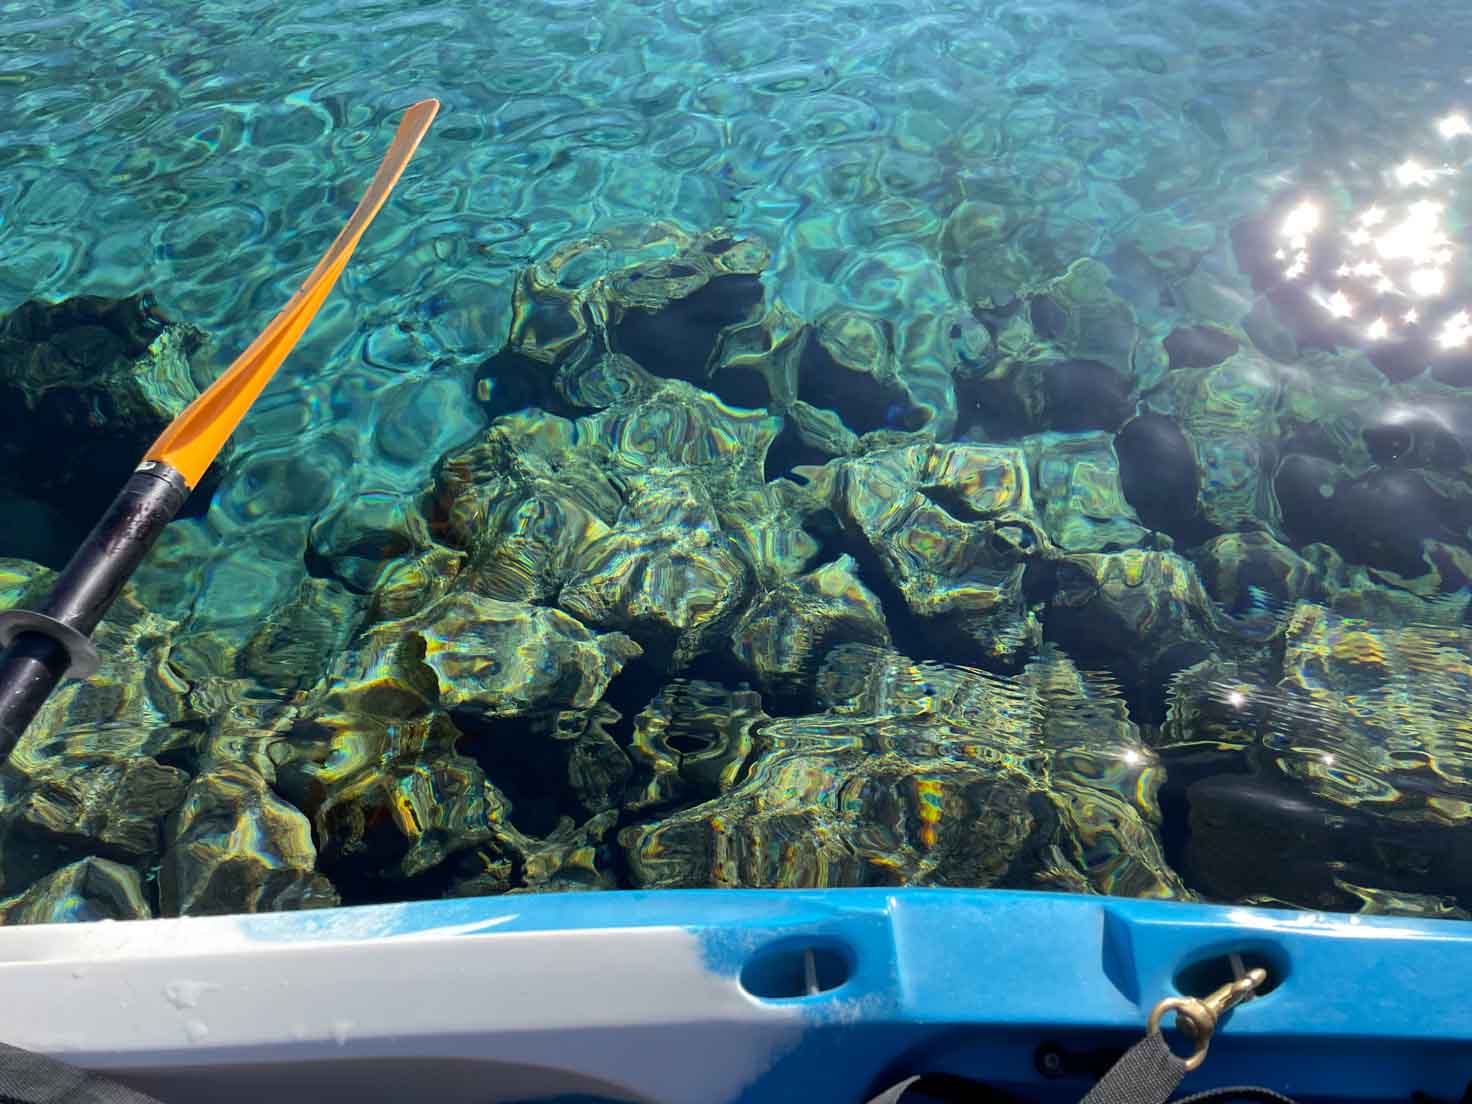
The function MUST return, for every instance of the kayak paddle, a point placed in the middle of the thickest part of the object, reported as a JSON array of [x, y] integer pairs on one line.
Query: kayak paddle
[[44, 646]]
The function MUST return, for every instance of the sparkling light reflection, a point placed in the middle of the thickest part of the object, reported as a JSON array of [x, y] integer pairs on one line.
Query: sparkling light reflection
[[1398, 248], [1456, 331], [1454, 126]]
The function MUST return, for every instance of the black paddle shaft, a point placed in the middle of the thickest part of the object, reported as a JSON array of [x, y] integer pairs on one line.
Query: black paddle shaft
[[45, 645]]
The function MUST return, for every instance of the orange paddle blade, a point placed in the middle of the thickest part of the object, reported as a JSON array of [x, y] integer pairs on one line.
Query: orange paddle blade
[[193, 439]]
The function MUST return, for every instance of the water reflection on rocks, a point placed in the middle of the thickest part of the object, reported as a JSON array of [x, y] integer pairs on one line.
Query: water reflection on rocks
[[1021, 591]]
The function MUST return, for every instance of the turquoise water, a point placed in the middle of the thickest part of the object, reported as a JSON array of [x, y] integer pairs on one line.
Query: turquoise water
[[1062, 483]]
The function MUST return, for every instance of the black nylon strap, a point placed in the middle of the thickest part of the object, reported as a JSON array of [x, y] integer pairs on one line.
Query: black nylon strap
[[1147, 1074], [27, 1078]]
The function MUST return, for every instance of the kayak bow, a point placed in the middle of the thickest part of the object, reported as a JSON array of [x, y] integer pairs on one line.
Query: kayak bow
[[44, 646]]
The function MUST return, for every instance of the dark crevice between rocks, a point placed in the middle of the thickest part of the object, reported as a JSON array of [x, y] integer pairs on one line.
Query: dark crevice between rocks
[[1181, 771], [525, 763], [739, 386], [31, 854], [508, 382], [319, 566], [357, 879], [953, 502], [860, 401], [711, 666], [677, 341], [1049, 320], [789, 451], [920, 639], [630, 692], [1143, 682]]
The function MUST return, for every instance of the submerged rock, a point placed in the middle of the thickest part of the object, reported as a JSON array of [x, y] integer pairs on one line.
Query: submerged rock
[[788, 628], [1230, 411], [234, 846], [1075, 478], [1079, 314], [363, 538], [1141, 614], [480, 656], [1199, 346], [874, 377], [85, 386], [91, 889], [1376, 717], [665, 310], [691, 742], [139, 702], [1254, 576], [570, 858], [405, 816], [649, 516], [667, 574], [108, 805], [1160, 476], [922, 774], [834, 812], [954, 528], [297, 643], [986, 263]]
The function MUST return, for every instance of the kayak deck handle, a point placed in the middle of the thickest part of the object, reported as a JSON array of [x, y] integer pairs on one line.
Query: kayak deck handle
[[794, 969]]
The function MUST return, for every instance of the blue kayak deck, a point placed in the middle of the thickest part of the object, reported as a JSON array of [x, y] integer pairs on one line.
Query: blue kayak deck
[[712, 996]]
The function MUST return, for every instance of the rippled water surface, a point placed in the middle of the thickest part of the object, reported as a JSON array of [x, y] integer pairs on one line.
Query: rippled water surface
[[1017, 444]]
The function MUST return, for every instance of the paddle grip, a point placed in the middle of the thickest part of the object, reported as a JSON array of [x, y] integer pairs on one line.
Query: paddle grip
[[48, 644]]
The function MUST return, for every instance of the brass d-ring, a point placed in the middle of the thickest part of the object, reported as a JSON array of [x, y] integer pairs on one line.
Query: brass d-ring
[[1197, 1017], [1193, 1012]]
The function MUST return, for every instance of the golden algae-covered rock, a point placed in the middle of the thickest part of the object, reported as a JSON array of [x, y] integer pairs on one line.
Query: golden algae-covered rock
[[788, 628], [1376, 716], [666, 573], [478, 655], [1075, 476], [234, 846], [101, 803], [954, 528], [86, 890], [923, 774], [691, 742]]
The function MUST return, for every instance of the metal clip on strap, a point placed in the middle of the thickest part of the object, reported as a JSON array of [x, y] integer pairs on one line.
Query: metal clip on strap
[[1150, 1071], [1197, 1017]]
